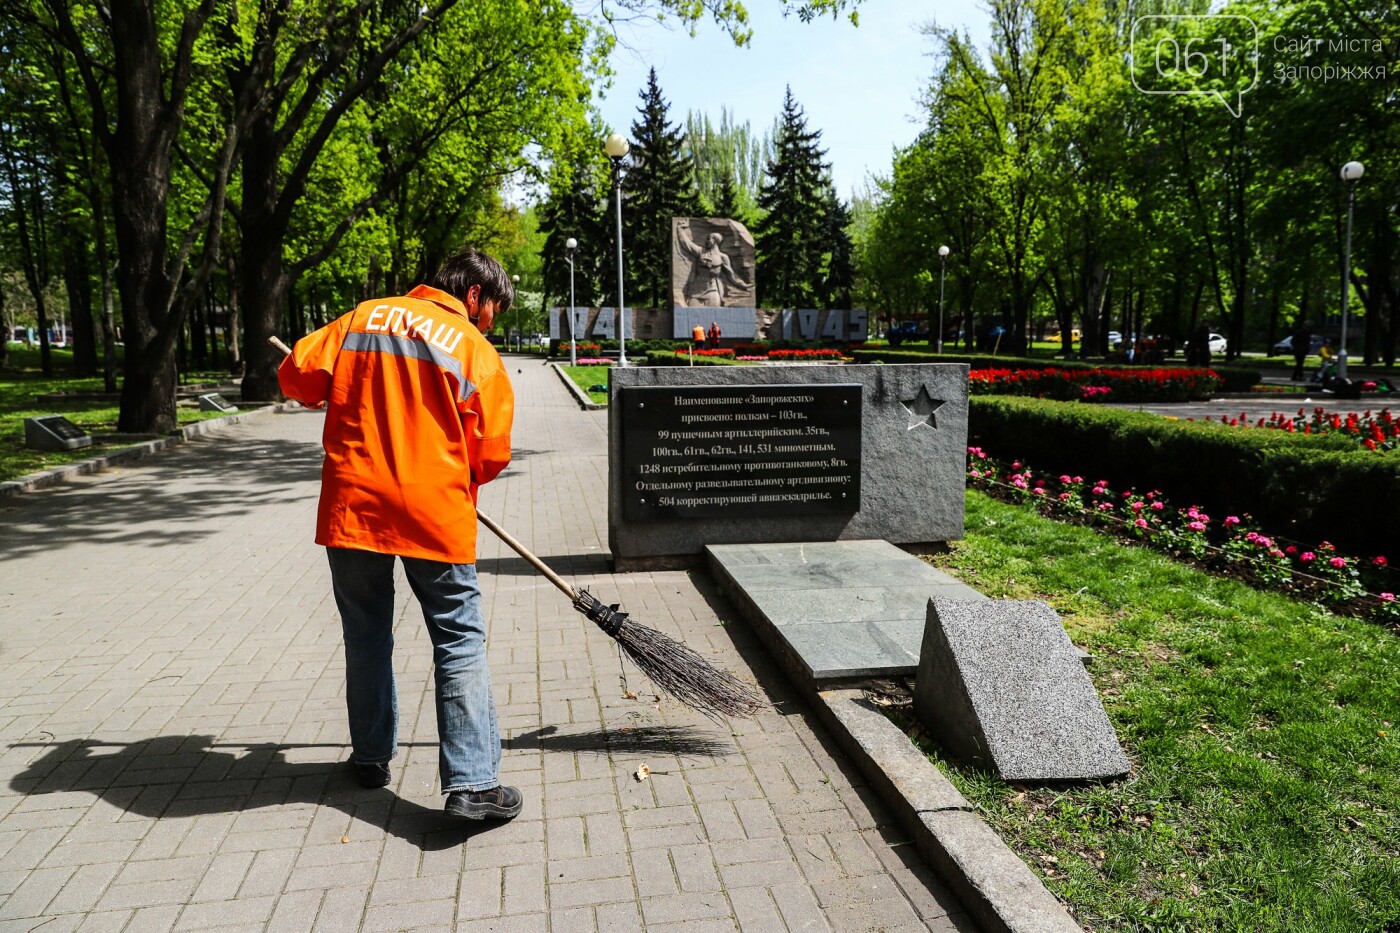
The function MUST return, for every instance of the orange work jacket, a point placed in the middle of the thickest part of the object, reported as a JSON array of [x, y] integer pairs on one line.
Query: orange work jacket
[[699, 333], [418, 415]]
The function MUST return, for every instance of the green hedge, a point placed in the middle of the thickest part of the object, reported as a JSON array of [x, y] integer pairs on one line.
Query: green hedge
[[667, 358], [1233, 378], [1308, 487]]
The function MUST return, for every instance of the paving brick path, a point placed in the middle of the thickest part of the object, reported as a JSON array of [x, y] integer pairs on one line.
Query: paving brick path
[[172, 733]]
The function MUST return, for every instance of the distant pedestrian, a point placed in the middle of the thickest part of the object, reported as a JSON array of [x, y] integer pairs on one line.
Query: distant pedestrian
[[418, 415], [714, 335], [1327, 361], [1198, 349], [1302, 337]]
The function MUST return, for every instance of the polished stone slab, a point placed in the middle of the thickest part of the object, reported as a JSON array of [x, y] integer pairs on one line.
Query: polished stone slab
[[835, 610]]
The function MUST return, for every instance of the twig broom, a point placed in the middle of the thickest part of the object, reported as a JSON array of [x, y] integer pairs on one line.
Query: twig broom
[[673, 667]]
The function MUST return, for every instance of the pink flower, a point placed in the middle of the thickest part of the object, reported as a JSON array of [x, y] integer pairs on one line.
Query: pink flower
[[1137, 506], [1079, 479], [1231, 520], [1265, 542], [1276, 554], [976, 474], [1388, 597], [1020, 482], [1141, 523], [1196, 526], [1290, 550], [1338, 562], [1307, 557], [1064, 497], [1252, 537], [1380, 561], [1105, 506], [1099, 490], [1038, 491], [1157, 506], [1193, 512]]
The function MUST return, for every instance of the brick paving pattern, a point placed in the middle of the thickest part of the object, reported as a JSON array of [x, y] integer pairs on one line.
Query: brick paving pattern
[[172, 729]]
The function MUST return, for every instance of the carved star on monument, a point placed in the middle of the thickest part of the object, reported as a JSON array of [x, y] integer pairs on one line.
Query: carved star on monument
[[922, 409]]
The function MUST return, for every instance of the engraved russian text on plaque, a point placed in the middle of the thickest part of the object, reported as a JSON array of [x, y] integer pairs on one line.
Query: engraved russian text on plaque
[[740, 451]]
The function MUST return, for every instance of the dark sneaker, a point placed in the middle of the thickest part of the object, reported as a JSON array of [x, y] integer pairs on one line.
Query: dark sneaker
[[498, 803], [371, 775]]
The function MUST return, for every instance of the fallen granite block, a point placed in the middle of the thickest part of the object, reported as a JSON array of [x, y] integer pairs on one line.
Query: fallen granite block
[[1001, 687]]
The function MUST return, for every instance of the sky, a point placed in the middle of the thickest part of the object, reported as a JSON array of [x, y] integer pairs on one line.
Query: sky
[[859, 85]]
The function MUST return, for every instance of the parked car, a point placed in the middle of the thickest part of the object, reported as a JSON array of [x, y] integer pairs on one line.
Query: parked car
[[1285, 346], [1217, 344], [906, 330]]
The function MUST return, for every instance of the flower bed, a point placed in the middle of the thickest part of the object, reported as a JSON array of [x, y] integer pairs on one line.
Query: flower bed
[[594, 361], [1379, 432], [1123, 385], [582, 348], [1346, 585], [806, 355]]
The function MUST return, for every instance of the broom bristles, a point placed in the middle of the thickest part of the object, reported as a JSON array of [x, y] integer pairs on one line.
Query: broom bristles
[[673, 667]]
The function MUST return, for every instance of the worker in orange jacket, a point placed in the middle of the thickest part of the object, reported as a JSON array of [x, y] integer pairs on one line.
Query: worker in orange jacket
[[418, 416]]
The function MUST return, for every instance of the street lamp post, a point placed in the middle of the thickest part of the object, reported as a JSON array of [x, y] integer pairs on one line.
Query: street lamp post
[[520, 337], [569, 246], [616, 147], [942, 275], [1351, 173]]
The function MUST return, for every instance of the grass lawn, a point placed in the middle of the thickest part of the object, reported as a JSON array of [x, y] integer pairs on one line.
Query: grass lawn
[[1264, 735], [23, 381], [586, 376]]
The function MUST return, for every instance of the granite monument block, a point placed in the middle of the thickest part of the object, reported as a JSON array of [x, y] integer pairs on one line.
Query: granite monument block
[[742, 440], [1001, 688]]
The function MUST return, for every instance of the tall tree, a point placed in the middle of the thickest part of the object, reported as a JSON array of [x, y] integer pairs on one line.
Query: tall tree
[[140, 71], [575, 208], [791, 236], [729, 153], [657, 186]]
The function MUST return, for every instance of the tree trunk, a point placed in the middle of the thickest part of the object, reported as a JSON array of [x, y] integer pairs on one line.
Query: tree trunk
[[79, 282], [8, 333]]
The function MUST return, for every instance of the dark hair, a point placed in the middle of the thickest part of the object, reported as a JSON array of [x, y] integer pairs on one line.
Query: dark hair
[[468, 267]]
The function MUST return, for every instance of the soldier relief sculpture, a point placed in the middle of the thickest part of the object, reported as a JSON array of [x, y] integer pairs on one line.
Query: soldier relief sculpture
[[717, 274]]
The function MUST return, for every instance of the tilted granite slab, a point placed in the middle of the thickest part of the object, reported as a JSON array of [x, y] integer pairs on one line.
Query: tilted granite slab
[[1001, 688], [803, 600]]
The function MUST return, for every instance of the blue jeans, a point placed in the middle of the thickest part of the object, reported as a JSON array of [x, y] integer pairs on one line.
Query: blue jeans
[[469, 745]]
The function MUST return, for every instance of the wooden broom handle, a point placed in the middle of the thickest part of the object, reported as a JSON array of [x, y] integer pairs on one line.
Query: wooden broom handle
[[486, 520]]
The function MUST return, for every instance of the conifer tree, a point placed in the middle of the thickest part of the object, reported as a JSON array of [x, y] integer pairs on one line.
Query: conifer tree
[[656, 187], [792, 235], [838, 270], [575, 208], [726, 202]]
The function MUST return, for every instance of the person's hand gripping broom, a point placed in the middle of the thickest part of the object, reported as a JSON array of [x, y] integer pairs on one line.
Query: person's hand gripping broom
[[673, 667]]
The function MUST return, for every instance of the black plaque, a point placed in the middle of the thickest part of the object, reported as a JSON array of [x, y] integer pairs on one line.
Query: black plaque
[[215, 402], [54, 432], [740, 451]]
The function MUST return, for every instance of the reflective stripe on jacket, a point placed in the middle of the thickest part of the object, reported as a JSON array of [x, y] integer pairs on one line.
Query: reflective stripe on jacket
[[418, 414]]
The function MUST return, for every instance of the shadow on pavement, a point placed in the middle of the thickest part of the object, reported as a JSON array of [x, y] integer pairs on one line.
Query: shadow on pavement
[[682, 741], [176, 776], [577, 565], [202, 484]]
